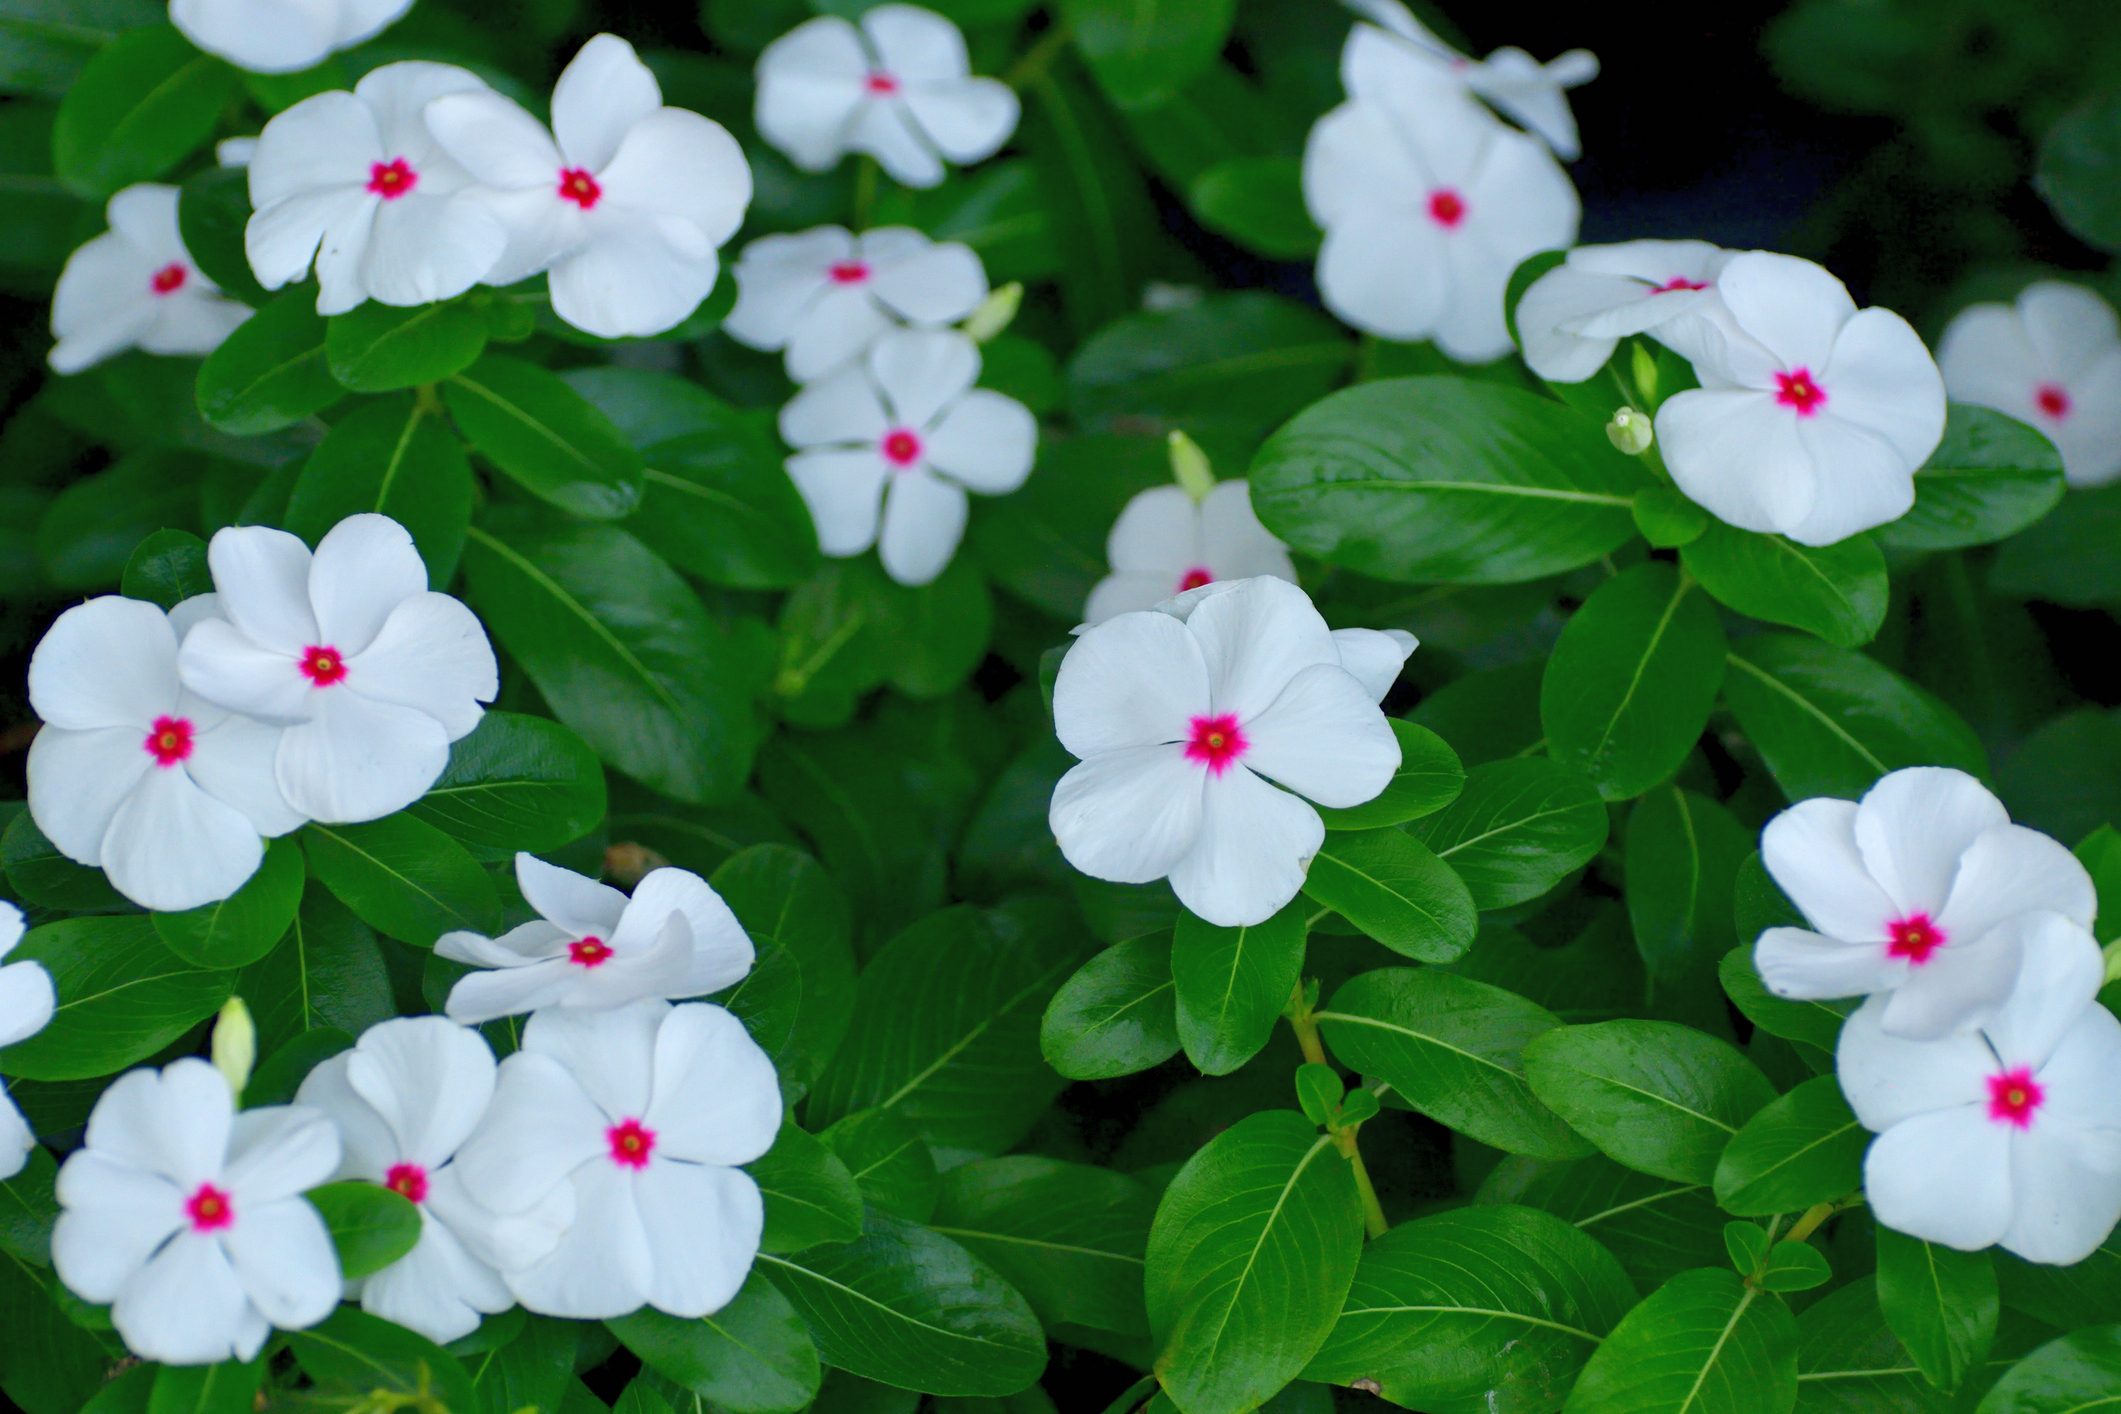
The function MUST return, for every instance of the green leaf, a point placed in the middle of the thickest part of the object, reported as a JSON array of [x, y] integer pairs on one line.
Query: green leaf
[[1793, 1266], [622, 649], [44, 43], [37, 873], [1445, 480], [1453, 1049], [888, 1161], [2076, 172], [1829, 721], [2060, 559], [1097, 206], [353, 1355], [143, 104], [1518, 829], [1990, 478], [403, 877], [2080, 1371], [89, 531], [1837, 592], [1941, 1303], [1849, 1361], [243, 927], [1656, 1228], [909, 1308], [532, 1366], [1683, 854], [1666, 518], [1046, 544], [122, 997], [379, 348], [1814, 1023], [1070, 1237], [754, 1356], [545, 437], [1394, 888], [1251, 1255], [2063, 1296], [1630, 685], [1805, 1148], [1429, 778], [516, 783], [1704, 1341], [270, 373], [1257, 202], [1117, 1015], [1654, 1095], [1141, 50], [227, 1388], [371, 1226], [29, 1209], [327, 974], [213, 210], [810, 1195], [397, 458], [799, 995], [1475, 1310], [1231, 984], [167, 568]]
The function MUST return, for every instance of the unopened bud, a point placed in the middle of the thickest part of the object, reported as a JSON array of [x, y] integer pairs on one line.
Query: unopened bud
[[235, 1045], [1644, 364], [1630, 432], [1190, 467], [996, 313]]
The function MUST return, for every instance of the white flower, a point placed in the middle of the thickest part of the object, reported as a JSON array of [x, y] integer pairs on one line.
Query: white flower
[[897, 87], [1428, 204], [1572, 317], [366, 674], [26, 1005], [2053, 360], [404, 1100], [592, 946], [355, 184], [625, 203], [1812, 416], [887, 448], [1404, 52], [1374, 656], [1911, 891], [640, 1115], [1181, 724], [188, 1218], [133, 774], [1165, 543], [135, 286], [282, 36], [2008, 1135], [825, 295]]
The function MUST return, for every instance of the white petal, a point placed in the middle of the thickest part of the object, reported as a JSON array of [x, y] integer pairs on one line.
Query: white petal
[[1137, 680], [777, 278], [539, 1129], [326, 143], [77, 781], [720, 951], [1888, 1079], [715, 1099], [630, 281], [262, 579], [1738, 455], [1129, 815], [1254, 640], [110, 662], [1325, 739], [186, 1306], [171, 846], [1374, 656], [1519, 203], [2061, 975], [1383, 272], [604, 1265], [660, 970], [1354, 164], [145, 214], [233, 761], [704, 1223], [1237, 545], [1158, 533], [924, 519], [424, 248], [986, 441], [920, 372], [912, 43], [106, 335], [112, 1218], [278, 1152], [363, 569], [605, 90], [1795, 963], [16, 1138], [810, 82], [433, 656], [367, 1148], [358, 758], [219, 663], [174, 1121], [1960, 985], [2070, 326], [429, 1079], [2011, 870], [841, 409], [934, 284], [26, 1000], [2079, 1077], [102, 301], [1986, 358], [1118, 594], [2063, 1206], [1791, 306], [1530, 94], [438, 1289], [1556, 303], [1882, 378], [582, 906], [360, 20], [680, 164], [520, 946], [610, 1054], [885, 129], [480, 997], [968, 120], [191, 324], [1971, 1209], [497, 142], [844, 491], [283, 1255], [2091, 437], [1255, 844], [282, 240], [1912, 827], [263, 36], [399, 95], [1810, 849], [840, 324]]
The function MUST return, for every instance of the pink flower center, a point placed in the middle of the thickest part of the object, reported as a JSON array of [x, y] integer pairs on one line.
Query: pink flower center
[[1678, 282], [1913, 937], [1194, 578], [393, 179], [2013, 1096], [408, 1181], [322, 665], [209, 1209], [901, 447], [1216, 742], [631, 1144], [849, 272], [1447, 208], [1798, 392], [2053, 399], [881, 84], [169, 740], [577, 186], [169, 279], [589, 952]]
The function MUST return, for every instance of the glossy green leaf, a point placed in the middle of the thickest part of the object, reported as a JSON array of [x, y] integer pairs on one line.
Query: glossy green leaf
[[243, 927], [271, 372], [1257, 202], [396, 457], [1849, 1361], [1117, 1015], [37, 873], [1519, 828], [1232, 984], [1805, 1148], [213, 210], [1836, 592], [2058, 559], [517, 782], [89, 531], [371, 1226], [353, 1355], [1941, 1303], [1704, 1341], [1683, 854], [403, 877], [143, 104], [230, 1387], [1141, 50], [810, 1195], [1814, 1023], [1990, 478], [1393, 888], [167, 568], [379, 348], [122, 997], [327, 973], [1655, 1228], [754, 1356], [890, 1163], [1070, 1237], [799, 995], [545, 437], [1429, 778]]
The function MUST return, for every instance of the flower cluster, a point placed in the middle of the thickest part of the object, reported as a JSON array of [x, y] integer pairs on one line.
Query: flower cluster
[[1428, 201], [137, 287], [2052, 359], [1811, 417], [591, 1173], [1980, 1056], [423, 182], [323, 686]]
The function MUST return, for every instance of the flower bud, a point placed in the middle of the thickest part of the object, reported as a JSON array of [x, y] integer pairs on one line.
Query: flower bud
[[235, 1045], [1644, 365], [995, 314], [1190, 467], [1630, 432]]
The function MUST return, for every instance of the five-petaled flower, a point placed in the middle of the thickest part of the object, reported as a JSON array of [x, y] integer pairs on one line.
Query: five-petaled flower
[[136, 286], [2052, 359], [26, 1005], [826, 296], [282, 36], [1165, 543]]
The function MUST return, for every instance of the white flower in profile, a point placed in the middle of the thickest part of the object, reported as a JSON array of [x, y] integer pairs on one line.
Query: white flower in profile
[[1428, 204], [1915, 892], [165, 792], [826, 296], [137, 287], [1812, 416], [1571, 318], [1181, 725], [886, 449], [26, 1005], [282, 36], [625, 204], [1165, 543], [356, 185], [188, 1218], [2009, 1135], [1401, 51], [404, 1100], [896, 84], [641, 1115], [365, 674], [2052, 359], [592, 946]]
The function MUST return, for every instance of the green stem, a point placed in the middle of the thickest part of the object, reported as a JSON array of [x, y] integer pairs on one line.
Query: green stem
[[1809, 1223], [864, 192], [1305, 1025]]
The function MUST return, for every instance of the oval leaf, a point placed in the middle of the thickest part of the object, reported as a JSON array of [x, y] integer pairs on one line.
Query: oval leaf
[[1117, 1015], [1231, 985], [1518, 829], [1704, 1341]]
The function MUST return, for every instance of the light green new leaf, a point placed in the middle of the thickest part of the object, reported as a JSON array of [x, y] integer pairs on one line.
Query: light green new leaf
[[1705, 1343], [1231, 984]]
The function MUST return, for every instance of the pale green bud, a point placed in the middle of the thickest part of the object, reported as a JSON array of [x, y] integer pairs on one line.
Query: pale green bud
[[235, 1045], [995, 314], [1190, 467], [1630, 432]]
